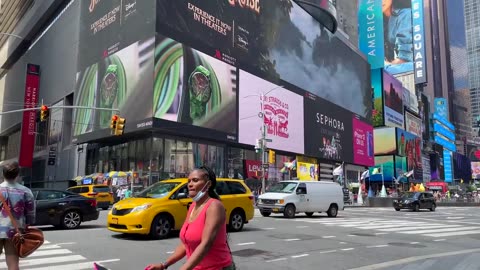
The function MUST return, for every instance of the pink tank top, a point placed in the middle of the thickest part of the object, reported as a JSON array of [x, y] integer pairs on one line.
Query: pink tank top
[[219, 255]]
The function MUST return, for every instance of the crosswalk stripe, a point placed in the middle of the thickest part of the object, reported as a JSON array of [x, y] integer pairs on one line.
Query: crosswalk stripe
[[439, 226], [49, 247], [74, 266], [440, 230], [50, 260], [453, 233], [42, 253], [386, 226]]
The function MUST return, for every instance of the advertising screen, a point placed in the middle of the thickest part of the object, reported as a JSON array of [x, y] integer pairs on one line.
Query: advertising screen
[[475, 169], [328, 130], [393, 98], [385, 142], [419, 41], [115, 63], [441, 107], [277, 39], [370, 31], [409, 146], [384, 169], [400, 166], [363, 146], [193, 88], [413, 124], [307, 171], [377, 88], [283, 114]]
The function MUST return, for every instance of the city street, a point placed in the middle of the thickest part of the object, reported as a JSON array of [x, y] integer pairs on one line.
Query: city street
[[359, 238]]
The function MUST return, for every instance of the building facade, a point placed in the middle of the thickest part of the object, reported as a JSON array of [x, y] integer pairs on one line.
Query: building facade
[[189, 96], [472, 25]]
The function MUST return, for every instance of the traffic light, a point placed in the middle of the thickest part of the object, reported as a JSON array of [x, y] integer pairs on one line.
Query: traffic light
[[113, 123], [44, 113], [120, 126], [271, 157]]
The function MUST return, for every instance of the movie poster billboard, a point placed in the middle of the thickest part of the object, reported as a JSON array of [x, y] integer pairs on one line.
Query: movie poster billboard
[[328, 130], [115, 64], [410, 146], [193, 88], [275, 40], [393, 101], [283, 114]]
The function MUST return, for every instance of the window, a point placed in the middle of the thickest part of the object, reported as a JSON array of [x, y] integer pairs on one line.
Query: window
[[236, 188], [75, 190], [302, 188], [51, 195], [170, 149], [183, 189], [84, 190], [101, 189], [222, 188]]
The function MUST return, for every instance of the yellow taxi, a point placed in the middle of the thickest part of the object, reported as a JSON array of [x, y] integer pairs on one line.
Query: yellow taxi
[[101, 193], [163, 207]]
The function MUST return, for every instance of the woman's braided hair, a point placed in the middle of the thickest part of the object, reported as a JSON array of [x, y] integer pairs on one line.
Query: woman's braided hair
[[210, 175]]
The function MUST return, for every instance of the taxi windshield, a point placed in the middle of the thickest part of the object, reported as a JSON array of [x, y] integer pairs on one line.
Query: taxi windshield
[[283, 187], [158, 190]]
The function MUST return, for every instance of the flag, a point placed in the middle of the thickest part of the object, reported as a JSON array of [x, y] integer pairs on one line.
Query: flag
[[365, 175], [338, 170]]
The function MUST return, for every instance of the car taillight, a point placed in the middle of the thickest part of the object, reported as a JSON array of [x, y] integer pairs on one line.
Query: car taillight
[[111, 193], [93, 203], [92, 194], [252, 198]]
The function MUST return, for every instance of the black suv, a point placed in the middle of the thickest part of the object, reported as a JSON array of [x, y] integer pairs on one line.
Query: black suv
[[415, 201]]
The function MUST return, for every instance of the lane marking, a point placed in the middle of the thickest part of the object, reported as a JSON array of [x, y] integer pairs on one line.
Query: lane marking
[[300, 256], [347, 249], [328, 251], [414, 259], [436, 226], [377, 246], [352, 235], [381, 233], [293, 239], [246, 244], [50, 260], [46, 252], [66, 243], [302, 227], [439, 231], [328, 236], [269, 228], [277, 260], [170, 252], [342, 243], [76, 266], [452, 233], [439, 240], [414, 243]]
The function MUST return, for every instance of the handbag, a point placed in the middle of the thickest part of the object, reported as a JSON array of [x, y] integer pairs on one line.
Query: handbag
[[25, 241]]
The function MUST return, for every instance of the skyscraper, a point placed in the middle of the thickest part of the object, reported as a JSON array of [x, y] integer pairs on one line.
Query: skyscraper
[[472, 24]]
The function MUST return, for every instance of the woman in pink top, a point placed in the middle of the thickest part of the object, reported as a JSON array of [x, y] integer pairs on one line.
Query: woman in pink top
[[204, 234]]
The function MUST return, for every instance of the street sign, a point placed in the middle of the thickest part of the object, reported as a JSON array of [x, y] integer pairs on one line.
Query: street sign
[[52, 156], [268, 140]]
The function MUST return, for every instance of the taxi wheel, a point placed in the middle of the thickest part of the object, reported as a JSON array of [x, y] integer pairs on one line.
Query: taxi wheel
[[161, 227], [71, 220], [237, 220]]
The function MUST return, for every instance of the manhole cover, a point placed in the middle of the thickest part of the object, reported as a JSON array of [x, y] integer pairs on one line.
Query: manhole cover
[[406, 245], [363, 234], [249, 252]]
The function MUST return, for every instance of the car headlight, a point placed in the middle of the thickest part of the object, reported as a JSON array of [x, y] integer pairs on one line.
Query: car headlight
[[141, 207], [395, 201], [407, 201], [280, 201]]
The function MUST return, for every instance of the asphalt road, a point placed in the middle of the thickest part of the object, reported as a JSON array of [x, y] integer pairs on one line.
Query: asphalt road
[[358, 239]]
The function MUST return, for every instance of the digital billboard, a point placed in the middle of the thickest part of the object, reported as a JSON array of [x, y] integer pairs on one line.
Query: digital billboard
[[363, 143], [193, 88], [377, 88], [370, 31], [328, 130], [283, 114], [448, 165], [278, 41], [441, 108], [383, 169], [115, 64], [410, 146], [400, 166], [413, 124], [419, 42], [393, 101], [385, 142]]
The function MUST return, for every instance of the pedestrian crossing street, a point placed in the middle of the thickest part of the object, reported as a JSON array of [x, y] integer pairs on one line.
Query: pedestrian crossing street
[[54, 257], [407, 227]]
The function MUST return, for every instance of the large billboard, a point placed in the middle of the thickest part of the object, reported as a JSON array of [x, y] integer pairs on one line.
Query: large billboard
[[413, 124], [410, 146], [393, 100], [441, 108], [283, 114], [370, 31], [385, 141], [115, 64], [278, 40], [193, 88], [387, 23], [377, 88], [419, 42], [384, 169]]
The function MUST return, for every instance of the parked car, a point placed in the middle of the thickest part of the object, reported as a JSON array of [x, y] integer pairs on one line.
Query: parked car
[[162, 208], [291, 197], [63, 209], [415, 201], [102, 193]]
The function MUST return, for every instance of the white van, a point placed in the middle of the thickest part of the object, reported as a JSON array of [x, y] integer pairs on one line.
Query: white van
[[291, 197]]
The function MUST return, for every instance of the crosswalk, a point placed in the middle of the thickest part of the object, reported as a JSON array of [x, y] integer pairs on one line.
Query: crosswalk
[[407, 227], [54, 257]]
